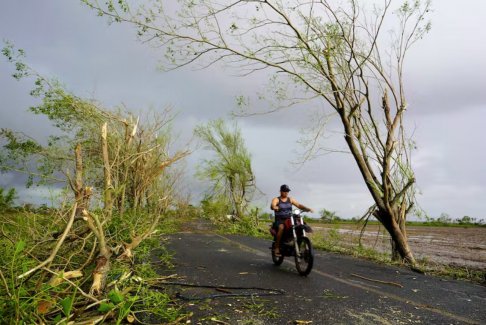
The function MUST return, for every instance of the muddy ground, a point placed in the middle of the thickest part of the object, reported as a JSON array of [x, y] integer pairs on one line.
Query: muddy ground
[[443, 245]]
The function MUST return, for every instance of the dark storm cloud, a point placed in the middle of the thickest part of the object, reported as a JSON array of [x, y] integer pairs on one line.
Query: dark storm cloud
[[445, 75]]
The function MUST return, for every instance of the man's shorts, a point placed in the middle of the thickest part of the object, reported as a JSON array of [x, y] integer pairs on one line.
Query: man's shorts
[[282, 220]]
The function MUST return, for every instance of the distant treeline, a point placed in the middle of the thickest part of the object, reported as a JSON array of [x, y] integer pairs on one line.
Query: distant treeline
[[444, 220]]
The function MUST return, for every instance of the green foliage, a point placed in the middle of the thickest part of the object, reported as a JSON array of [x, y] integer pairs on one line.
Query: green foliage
[[79, 121], [123, 226], [333, 236], [15, 56], [16, 300], [445, 220], [328, 216], [24, 300], [260, 308], [7, 199], [244, 226], [159, 304], [215, 208], [133, 295], [370, 253], [230, 170], [218, 211], [67, 304], [115, 296], [139, 160], [467, 220], [331, 241]]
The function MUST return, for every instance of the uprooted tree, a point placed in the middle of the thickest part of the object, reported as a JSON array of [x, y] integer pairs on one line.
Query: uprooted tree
[[117, 168], [333, 52]]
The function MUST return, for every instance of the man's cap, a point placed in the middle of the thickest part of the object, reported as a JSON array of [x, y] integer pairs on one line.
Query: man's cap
[[284, 188]]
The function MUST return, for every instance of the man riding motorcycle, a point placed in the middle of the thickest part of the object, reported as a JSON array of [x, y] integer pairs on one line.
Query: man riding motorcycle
[[282, 206]]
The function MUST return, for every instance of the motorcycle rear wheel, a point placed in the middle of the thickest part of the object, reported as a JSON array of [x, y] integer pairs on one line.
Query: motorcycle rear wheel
[[277, 260], [305, 261]]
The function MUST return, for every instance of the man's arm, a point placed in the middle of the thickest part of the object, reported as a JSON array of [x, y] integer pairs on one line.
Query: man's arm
[[300, 206], [274, 204]]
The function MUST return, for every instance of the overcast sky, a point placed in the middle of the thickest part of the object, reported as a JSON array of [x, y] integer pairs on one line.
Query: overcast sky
[[445, 73]]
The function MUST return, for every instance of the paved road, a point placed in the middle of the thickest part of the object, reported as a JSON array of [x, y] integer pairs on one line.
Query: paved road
[[334, 293]]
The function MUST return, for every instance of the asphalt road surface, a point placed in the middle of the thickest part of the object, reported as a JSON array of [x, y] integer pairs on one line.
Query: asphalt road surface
[[244, 287]]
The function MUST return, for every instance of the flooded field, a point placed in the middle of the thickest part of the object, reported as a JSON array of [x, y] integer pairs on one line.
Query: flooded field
[[444, 245]]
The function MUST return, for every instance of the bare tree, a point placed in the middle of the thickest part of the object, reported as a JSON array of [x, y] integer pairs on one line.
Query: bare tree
[[334, 52]]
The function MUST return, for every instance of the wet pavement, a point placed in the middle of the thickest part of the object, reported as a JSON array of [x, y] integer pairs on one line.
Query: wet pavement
[[238, 284]]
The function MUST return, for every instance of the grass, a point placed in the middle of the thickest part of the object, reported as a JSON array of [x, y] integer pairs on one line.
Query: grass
[[456, 272], [129, 296], [258, 307]]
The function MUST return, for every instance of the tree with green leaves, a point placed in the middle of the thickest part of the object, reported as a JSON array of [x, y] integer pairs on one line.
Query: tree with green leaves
[[340, 54], [7, 199], [229, 170], [328, 216], [108, 158]]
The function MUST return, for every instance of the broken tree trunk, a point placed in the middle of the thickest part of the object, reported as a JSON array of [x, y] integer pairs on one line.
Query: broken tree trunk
[[103, 259], [81, 194], [108, 188]]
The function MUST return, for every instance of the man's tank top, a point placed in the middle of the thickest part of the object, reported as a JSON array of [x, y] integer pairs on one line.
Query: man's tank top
[[284, 208]]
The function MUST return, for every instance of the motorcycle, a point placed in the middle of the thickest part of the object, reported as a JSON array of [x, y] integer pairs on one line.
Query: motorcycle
[[294, 242]]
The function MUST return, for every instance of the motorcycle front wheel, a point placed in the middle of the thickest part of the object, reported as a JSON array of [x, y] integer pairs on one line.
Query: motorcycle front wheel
[[305, 260], [277, 260]]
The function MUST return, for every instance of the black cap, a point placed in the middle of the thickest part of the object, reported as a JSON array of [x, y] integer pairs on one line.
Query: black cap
[[284, 188]]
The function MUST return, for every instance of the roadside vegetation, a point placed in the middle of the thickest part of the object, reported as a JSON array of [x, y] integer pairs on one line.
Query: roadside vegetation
[[59, 293], [87, 259]]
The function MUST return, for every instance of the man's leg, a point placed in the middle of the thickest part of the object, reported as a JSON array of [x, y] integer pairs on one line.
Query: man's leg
[[279, 237]]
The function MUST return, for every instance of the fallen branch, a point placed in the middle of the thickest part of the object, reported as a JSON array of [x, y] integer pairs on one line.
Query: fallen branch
[[379, 281], [214, 319], [90, 321], [73, 284], [56, 248], [56, 280], [221, 288]]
